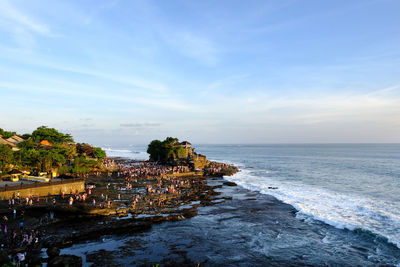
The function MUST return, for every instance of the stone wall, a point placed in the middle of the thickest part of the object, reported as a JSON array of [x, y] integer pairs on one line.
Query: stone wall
[[199, 161], [43, 189]]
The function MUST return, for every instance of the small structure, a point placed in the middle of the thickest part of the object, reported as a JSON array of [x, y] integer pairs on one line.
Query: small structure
[[199, 161], [9, 144], [188, 148], [45, 143], [15, 139], [186, 144], [42, 174], [15, 174], [35, 178]]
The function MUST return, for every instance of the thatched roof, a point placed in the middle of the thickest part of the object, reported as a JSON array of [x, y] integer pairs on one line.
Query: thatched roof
[[5, 142], [15, 139]]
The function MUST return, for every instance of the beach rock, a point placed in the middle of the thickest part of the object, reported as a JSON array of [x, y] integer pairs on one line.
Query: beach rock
[[188, 213], [230, 184], [53, 252], [65, 260]]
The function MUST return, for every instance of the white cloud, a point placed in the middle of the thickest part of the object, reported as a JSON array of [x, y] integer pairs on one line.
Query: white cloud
[[385, 91], [16, 16]]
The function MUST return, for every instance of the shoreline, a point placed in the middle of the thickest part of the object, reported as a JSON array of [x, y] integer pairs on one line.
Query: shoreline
[[80, 229], [123, 205], [251, 229]]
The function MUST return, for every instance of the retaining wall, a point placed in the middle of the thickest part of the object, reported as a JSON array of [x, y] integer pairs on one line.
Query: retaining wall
[[43, 189]]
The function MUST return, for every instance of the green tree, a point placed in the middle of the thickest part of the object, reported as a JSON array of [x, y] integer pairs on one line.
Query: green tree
[[85, 150], [99, 153], [26, 136], [167, 151], [51, 135], [82, 165], [27, 144], [57, 159], [28, 157], [6, 134], [155, 150], [6, 156]]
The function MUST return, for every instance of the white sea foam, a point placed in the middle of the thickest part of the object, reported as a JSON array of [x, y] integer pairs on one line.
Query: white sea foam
[[337, 209], [125, 153]]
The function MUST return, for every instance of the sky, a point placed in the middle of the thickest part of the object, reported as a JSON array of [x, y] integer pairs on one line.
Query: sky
[[127, 72]]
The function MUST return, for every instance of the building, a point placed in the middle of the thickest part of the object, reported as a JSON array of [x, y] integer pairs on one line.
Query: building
[[186, 144], [199, 161], [15, 175], [11, 145], [15, 139], [188, 148]]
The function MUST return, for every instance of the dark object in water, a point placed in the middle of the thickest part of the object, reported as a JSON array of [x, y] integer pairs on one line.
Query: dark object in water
[[272, 187], [230, 184]]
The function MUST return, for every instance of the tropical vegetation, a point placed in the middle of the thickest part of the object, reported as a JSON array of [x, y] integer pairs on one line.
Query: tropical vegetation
[[168, 151], [46, 149]]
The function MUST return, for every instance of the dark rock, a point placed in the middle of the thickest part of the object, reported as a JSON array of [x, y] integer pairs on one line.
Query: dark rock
[[101, 257], [65, 260], [190, 212], [34, 260], [230, 184], [53, 252]]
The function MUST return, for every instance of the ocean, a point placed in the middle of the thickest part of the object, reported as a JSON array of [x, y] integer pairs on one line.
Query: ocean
[[306, 204], [353, 186]]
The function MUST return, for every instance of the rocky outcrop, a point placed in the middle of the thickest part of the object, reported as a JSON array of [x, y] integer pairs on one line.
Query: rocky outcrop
[[65, 260]]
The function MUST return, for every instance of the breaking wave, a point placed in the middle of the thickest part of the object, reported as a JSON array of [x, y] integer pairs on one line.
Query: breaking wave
[[337, 209]]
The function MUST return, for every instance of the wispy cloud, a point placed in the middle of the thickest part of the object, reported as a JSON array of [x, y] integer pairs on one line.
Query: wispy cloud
[[384, 91], [8, 11], [82, 92], [132, 82]]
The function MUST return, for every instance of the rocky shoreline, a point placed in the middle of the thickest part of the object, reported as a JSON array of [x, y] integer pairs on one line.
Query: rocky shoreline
[[135, 206]]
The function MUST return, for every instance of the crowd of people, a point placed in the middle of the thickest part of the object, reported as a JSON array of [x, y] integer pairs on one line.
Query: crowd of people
[[139, 186], [149, 169], [214, 168], [16, 236]]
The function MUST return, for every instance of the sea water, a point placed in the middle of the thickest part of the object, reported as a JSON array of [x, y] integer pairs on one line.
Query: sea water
[[353, 186], [332, 205]]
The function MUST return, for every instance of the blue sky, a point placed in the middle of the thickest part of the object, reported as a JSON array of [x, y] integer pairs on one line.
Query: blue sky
[[127, 72]]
